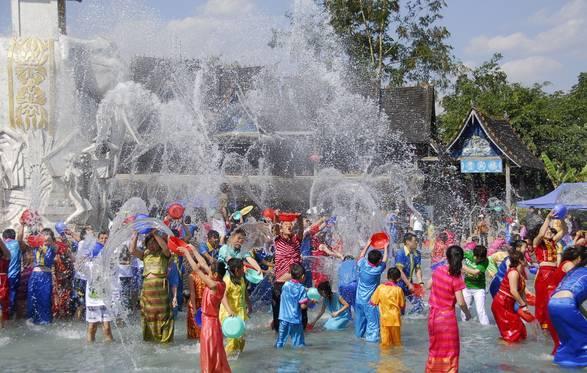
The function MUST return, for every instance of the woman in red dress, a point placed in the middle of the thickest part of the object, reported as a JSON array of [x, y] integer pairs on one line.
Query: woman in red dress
[[197, 287], [212, 355], [512, 288], [571, 257], [446, 290], [548, 256]]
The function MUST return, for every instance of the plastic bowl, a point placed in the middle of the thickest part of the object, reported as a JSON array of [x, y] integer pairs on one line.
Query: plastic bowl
[[253, 276], [35, 240], [268, 214], [198, 317], [142, 227], [174, 244], [526, 316], [60, 227], [233, 327], [246, 210], [419, 290], [560, 211], [313, 294], [379, 240], [175, 210], [288, 216]]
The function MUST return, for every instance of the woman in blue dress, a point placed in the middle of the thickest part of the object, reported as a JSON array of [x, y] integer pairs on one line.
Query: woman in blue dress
[[338, 308], [569, 316], [40, 287]]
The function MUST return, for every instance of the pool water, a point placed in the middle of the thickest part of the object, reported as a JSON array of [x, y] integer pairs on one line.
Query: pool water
[[61, 347]]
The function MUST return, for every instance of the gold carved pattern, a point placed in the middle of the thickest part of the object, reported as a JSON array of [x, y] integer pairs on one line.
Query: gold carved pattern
[[30, 73]]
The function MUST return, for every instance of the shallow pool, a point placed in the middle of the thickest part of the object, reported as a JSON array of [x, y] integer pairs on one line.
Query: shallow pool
[[61, 347]]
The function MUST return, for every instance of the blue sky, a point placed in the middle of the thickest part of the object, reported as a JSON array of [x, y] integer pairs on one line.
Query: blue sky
[[541, 40]]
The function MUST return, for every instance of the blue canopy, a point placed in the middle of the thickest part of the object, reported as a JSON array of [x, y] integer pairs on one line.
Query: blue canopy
[[573, 195]]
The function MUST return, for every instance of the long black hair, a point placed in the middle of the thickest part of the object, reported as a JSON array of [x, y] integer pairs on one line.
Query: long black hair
[[582, 255], [480, 253], [219, 268], [234, 264], [455, 255], [324, 287], [571, 253], [516, 258]]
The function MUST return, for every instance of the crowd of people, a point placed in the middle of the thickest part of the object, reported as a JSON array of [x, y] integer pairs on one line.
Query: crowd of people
[[47, 274]]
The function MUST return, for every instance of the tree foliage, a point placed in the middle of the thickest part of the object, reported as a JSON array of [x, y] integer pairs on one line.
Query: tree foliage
[[559, 174], [551, 123], [397, 41]]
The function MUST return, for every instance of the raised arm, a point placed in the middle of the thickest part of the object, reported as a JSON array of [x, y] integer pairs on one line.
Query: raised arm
[[300, 230], [385, 254], [364, 250], [542, 231], [133, 247], [162, 244]]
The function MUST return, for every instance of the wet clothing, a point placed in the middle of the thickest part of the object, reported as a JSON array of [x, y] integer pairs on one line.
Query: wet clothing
[[197, 287], [63, 282], [544, 286], [212, 355], [287, 252], [347, 281], [557, 277], [4, 288], [366, 315], [390, 299], [293, 294], [236, 297], [569, 320], [40, 286], [341, 321], [508, 321], [443, 330], [13, 271], [22, 292], [157, 319], [227, 251]]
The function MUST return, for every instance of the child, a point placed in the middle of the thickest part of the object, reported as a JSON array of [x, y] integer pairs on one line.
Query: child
[[96, 311], [236, 298], [338, 307], [390, 299], [293, 300], [212, 355], [369, 274]]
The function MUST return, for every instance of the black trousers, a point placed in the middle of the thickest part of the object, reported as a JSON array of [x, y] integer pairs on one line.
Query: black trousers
[[276, 301]]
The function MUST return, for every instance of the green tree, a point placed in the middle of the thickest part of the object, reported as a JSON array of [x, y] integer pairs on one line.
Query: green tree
[[554, 124], [397, 41], [558, 174]]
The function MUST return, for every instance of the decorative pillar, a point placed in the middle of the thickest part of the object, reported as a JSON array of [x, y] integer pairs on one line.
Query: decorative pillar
[[508, 186]]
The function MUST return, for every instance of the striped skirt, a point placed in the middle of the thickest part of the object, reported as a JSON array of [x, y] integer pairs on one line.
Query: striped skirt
[[156, 314], [443, 330]]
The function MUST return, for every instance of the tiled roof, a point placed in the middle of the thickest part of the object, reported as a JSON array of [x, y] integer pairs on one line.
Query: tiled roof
[[411, 112], [503, 135]]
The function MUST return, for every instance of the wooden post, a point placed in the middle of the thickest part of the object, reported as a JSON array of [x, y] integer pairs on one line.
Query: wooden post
[[508, 186]]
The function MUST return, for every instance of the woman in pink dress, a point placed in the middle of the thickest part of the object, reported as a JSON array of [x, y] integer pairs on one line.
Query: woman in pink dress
[[212, 355], [446, 290]]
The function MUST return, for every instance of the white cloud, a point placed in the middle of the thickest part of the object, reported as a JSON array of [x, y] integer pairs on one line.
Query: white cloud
[[565, 30], [227, 7], [531, 69]]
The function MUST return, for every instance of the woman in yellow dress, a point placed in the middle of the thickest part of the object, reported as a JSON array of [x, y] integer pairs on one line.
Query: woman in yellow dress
[[235, 302], [157, 319]]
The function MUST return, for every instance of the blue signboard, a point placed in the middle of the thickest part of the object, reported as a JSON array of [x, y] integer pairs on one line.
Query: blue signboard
[[481, 165]]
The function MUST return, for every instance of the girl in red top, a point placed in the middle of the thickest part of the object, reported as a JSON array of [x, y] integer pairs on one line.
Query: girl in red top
[[571, 257], [547, 255], [512, 288], [212, 355], [447, 289]]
